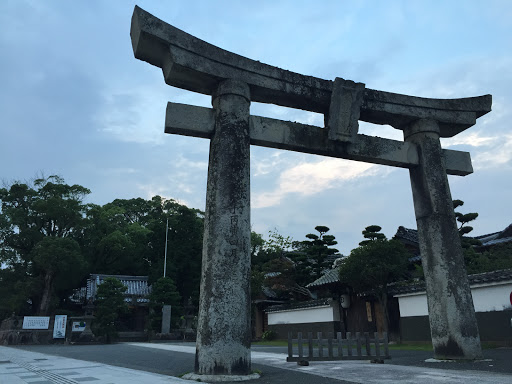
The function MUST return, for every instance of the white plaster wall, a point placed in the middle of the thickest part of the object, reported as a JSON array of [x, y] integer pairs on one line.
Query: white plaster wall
[[302, 315], [485, 298], [413, 305], [493, 298]]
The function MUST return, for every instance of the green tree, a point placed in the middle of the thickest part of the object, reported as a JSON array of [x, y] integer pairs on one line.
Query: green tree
[[185, 248], [311, 256], [371, 233], [463, 219], [128, 237], [30, 213], [279, 275], [61, 266], [257, 243], [114, 242], [371, 267], [263, 251], [475, 262], [270, 265], [164, 292], [500, 256], [110, 305]]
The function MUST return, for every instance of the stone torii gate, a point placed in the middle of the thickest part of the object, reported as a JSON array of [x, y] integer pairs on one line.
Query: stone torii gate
[[233, 81]]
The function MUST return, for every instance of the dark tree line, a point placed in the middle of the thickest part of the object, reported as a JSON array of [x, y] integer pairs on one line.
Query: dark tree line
[[51, 240]]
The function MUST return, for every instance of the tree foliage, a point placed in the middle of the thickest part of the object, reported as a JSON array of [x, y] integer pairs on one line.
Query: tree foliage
[[371, 233], [41, 224], [46, 228], [128, 237], [271, 266], [60, 263], [464, 219], [311, 256], [371, 267], [110, 305], [164, 292]]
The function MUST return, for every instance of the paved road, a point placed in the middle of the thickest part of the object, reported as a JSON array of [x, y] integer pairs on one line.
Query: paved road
[[501, 359], [159, 361], [175, 359]]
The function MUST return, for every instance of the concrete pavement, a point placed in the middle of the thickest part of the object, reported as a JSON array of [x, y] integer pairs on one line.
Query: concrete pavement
[[364, 371], [23, 365]]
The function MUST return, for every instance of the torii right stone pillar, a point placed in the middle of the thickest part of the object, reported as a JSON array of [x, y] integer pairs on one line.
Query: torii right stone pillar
[[452, 317]]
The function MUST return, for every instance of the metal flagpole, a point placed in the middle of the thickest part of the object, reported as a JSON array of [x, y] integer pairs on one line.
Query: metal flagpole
[[166, 233]]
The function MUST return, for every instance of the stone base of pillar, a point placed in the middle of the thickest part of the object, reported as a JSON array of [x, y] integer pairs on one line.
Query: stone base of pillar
[[220, 378]]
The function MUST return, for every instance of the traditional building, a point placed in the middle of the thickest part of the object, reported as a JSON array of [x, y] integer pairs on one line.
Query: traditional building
[[492, 298], [136, 296]]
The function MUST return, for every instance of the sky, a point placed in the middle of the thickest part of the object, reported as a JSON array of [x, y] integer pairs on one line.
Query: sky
[[75, 102]]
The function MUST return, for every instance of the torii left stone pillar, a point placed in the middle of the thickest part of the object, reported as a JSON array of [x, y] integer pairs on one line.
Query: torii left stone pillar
[[224, 333]]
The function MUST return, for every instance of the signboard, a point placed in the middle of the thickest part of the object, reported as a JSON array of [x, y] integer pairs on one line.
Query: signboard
[[78, 326], [59, 327], [369, 311], [36, 322]]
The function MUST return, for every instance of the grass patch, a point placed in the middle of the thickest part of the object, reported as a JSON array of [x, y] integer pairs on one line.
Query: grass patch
[[492, 345], [402, 347], [429, 348], [393, 347], [272, 343], [411, 347]]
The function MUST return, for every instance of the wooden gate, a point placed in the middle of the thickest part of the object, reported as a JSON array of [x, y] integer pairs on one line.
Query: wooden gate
[[338, 348]]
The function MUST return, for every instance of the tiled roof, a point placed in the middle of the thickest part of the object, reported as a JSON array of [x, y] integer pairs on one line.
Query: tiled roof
[[410, 235], [332, 258], [330, 277], [476, 279], [299, 305], [491, 242], [136, 288], [269, 293]]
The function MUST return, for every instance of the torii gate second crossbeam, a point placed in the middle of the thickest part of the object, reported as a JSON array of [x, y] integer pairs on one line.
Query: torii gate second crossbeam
[[233, 81]]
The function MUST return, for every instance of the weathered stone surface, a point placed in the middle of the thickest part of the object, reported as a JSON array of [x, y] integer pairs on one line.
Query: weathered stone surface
[[344, 111], [224, 332], [450, 305], [190, 63], [199, 122], [166, 319]]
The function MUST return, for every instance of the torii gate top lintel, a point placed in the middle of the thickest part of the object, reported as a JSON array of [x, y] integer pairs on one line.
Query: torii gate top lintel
[[195, 65]]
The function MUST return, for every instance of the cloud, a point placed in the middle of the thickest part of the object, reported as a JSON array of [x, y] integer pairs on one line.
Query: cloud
[[310, 178], [266, 166], [181, 162], [474, 139], [497, 156], [136, 116], [119, 171], [488, 151]]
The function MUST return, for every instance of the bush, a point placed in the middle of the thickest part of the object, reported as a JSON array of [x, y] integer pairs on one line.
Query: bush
[[269, 336]]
